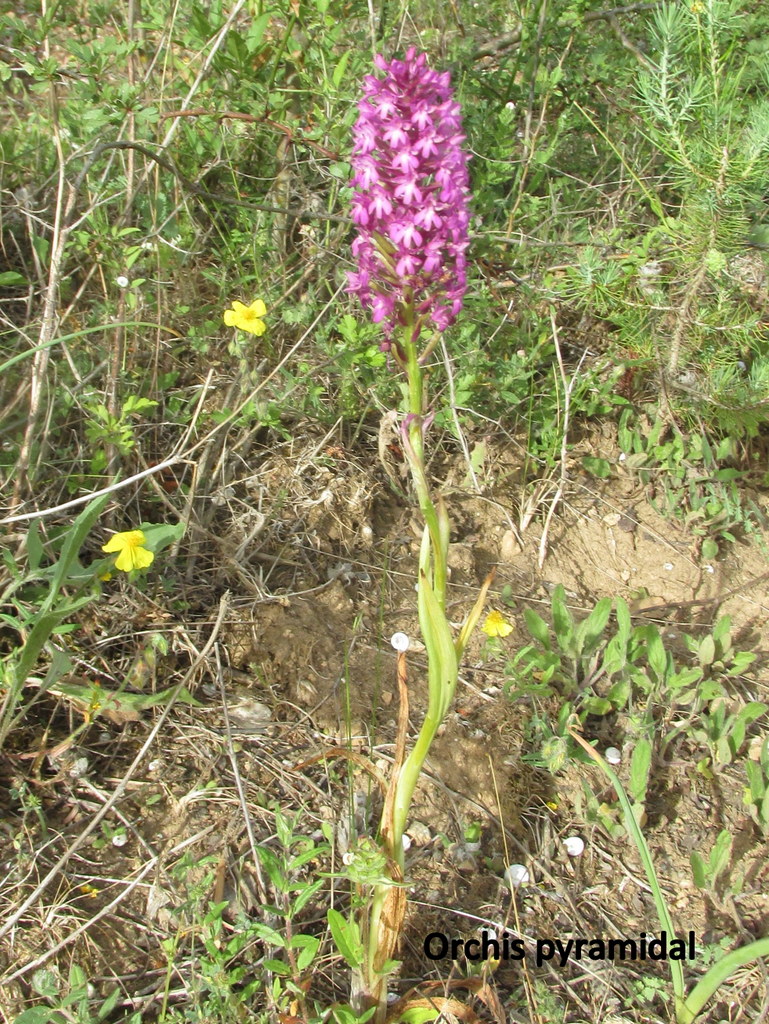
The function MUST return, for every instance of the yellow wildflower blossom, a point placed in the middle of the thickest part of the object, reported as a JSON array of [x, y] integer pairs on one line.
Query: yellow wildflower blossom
[[247, 318], [496, 625], [132, 553]]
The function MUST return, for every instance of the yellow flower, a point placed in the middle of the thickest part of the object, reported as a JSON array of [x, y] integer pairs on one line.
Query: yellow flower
[[247, 318], [496, 625], [133, 554]]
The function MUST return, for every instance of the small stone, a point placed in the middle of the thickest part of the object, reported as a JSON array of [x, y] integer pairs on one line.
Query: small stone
[[306, 693], [509, 546], [575, 846], [517, 875], [400, 641], [419, 833], [613, 755], [79, 768], [460, 558]]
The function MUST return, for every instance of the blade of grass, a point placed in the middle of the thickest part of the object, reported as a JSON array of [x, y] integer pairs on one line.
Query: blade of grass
[[634, 830]]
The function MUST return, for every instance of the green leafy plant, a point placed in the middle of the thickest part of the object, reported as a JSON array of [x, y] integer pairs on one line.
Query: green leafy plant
[[691, 479], [595, 667], [114, 430], [43, 601], [70, 1002], [39, 602], [722, 729], [756, 797], [224, 973], [706, 873], [678, 297], [687, 1007]]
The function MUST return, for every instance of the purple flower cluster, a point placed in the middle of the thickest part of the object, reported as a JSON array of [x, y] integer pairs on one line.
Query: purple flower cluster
[[410, 200]]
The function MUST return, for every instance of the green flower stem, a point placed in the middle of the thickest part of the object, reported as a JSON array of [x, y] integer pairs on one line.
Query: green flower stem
[[442, 661], [416, 458], [443, 669], [375, 983]]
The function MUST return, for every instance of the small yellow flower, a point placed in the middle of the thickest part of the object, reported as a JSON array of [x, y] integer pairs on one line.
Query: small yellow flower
[[133, 554], [496, 625], [247, 318]]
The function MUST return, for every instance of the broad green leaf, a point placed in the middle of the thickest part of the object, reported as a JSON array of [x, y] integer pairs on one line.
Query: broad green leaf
[[307, 894], [309, 946], [36, 639], [597, 705], [162, 535], [707, 651], [278, 967], [656, 655], [256, 31], [598, 467], [624, 622], [742, 660], [283, 830], [273, 867], [722, 631], [35, 548], [76, 535], [304, 858], [36, 1015], [614, 657], [753, 710], [756, 780], [563, 623], [420, 1015], [590, 631], [699, 872], [46, 983], [720, 855], [619, 693], [537, 626], [109, 1004], [340, 69], [640, 763], [346, 935], [723, 750], [134, 405], [263, 931]]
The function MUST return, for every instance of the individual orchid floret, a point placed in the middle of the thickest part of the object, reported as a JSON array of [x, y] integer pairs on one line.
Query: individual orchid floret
[[410, 202]]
